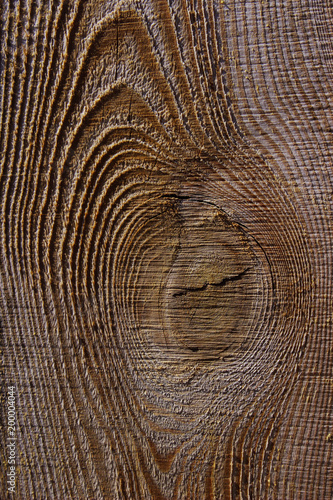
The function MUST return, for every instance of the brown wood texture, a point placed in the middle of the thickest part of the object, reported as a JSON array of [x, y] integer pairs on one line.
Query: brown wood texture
[[166, 248]]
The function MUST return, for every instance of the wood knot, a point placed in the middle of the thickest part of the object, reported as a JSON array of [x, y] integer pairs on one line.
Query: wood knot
[[208, 283]]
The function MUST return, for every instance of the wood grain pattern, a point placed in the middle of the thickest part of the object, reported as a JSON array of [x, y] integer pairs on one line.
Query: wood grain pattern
[[166, 248]]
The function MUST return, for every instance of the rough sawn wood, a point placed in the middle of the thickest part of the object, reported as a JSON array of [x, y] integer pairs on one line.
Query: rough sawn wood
[[166, 248]]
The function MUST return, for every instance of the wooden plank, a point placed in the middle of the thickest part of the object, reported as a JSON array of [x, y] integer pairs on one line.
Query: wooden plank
[[166, 249]]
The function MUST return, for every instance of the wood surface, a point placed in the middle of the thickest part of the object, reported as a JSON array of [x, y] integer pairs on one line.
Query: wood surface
[[166, 248]]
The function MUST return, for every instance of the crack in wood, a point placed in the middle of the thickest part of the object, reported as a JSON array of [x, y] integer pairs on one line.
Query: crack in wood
[[229, 279]]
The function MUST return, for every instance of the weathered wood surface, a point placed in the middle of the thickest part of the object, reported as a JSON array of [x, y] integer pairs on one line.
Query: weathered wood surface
[[166, 248]]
